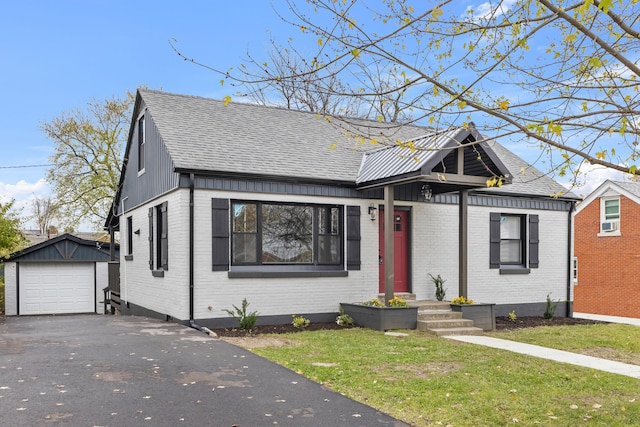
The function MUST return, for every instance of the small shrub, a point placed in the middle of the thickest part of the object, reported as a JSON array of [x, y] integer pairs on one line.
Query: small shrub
[[300, 322], [439, 283], [512, 316], [462, 300], [344, 319], [246, 321], [550, 310]]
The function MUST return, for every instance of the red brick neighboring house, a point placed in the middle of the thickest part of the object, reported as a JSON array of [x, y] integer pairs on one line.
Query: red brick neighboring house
[[607, 254]]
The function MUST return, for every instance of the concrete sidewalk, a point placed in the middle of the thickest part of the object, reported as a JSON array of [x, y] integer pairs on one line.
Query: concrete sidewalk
[[610, 319], [552, 354]]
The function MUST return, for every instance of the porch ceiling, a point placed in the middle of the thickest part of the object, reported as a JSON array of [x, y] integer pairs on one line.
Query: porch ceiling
[[451, 160]]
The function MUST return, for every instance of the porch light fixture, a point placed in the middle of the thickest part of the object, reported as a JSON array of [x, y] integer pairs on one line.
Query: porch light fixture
[[426, 191], [373, 211]]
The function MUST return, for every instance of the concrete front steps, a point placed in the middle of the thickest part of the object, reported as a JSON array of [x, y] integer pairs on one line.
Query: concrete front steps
[[436, 317]]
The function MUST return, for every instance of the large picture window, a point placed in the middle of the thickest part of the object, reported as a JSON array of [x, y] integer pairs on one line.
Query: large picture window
[[265, 233]]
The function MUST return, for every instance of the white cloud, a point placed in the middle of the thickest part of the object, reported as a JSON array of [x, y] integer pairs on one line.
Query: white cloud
[[594, 175], [23, 193], [491, 9]]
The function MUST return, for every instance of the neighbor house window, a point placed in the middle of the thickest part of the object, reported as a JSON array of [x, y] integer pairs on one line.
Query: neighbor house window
[[609, 214], [158, 238], [141, 143], [294, 234], [513, 242]]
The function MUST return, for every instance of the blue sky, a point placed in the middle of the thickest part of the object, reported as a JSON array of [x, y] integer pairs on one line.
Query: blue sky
[[58, 55]]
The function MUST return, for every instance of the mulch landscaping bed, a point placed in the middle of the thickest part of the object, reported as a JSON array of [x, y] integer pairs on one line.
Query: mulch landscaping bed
[[502, 323]]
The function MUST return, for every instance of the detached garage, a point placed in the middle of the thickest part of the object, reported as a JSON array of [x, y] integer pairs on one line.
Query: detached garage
[[63, 275]]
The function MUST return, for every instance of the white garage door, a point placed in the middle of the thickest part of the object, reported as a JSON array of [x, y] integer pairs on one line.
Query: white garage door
[[56, 288]]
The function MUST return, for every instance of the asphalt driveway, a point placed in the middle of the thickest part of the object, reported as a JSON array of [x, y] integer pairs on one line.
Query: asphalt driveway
[[92, 370]]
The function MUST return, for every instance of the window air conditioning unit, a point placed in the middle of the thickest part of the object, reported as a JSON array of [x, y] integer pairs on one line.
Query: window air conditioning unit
[[610, 226]]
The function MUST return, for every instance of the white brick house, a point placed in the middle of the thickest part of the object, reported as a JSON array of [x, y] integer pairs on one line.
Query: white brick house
[[219, 203]]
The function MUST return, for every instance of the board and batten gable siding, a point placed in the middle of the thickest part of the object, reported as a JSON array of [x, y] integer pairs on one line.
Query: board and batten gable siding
[[158, 177], [169, 294], [215, 291]]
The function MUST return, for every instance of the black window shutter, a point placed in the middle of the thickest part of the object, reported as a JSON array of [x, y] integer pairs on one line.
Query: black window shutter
[[353, 238], [164, 241], [494, 240], [151, 238], [533, 241], [220, 234]]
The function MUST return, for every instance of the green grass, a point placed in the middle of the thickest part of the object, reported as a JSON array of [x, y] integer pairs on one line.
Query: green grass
[[424, 380]]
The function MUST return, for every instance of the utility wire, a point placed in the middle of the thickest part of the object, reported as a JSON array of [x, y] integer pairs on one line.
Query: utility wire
[[24, 166]]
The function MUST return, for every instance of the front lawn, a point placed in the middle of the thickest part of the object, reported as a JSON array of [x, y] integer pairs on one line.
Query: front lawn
[[424, 380]]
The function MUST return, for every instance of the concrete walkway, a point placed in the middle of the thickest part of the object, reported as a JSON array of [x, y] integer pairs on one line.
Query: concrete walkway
[[610, 319], [552, 354]]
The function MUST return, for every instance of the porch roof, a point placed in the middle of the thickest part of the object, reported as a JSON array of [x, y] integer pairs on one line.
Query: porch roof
[[450, 160]]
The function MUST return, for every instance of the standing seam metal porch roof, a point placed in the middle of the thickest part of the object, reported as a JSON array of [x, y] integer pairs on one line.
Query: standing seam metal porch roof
[[420, 157]]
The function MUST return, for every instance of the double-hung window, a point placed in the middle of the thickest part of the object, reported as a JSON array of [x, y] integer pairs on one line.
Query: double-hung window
[[513, 242], [158, 238], [141, 144], [267, 233], [129, 249], [610, 215], [512, 231]]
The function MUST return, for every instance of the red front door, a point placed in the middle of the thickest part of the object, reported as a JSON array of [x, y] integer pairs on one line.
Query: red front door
[[401, 249]]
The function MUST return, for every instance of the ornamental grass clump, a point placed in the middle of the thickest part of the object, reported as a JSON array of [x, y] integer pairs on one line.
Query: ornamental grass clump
[[246, 321], [550, 310], [439, 284]]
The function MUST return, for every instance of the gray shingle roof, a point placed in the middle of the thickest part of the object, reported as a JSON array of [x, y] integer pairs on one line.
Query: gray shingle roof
[[631, 187], [526, 179], [204, 135]]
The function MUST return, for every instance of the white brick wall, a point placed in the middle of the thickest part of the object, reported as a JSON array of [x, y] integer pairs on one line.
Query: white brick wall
[[488, 285], [168, 294], [10, 297], [434, 250], [269, 296], [102, 281]]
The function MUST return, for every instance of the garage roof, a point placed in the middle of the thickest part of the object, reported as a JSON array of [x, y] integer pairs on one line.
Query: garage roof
[[65, 247]]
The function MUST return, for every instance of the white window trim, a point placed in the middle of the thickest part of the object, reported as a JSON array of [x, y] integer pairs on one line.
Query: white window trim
[[616, 232]]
